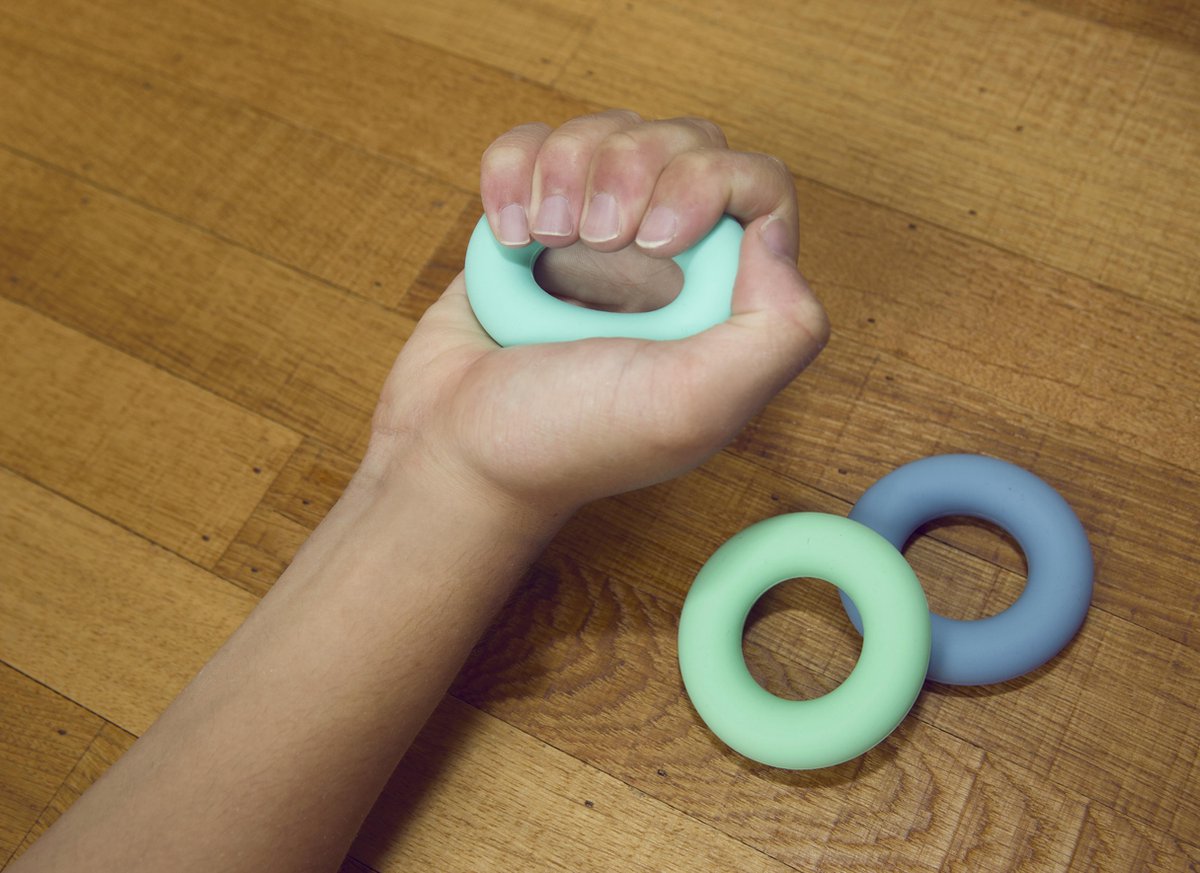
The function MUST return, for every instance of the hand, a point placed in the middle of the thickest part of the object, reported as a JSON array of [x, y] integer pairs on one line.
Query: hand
[[550, 427]]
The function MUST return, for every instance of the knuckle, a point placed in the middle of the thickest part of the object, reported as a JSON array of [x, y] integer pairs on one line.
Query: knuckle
[[522, 138], [626, 116], [504, 155], [778, 166], [609, 119], [533, 130], [566, 140], [710, 129], [697, 162], [621, 143], [626, 161]]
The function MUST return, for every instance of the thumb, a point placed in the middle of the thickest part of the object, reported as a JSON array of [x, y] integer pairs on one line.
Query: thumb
[[770, 295], [777, 328]]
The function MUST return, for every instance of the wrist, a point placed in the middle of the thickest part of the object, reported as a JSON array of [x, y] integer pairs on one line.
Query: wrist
[[399, 474]]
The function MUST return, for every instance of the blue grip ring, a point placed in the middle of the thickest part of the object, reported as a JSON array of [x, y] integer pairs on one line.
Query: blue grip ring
[[515, 311], [1055, 601]]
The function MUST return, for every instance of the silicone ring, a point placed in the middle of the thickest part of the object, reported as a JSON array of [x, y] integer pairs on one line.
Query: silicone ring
[[514, 310], [878, 693], [1055, 600]]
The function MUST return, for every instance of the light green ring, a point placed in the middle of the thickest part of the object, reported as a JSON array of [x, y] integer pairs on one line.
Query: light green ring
[[878, 693], [515, 311]]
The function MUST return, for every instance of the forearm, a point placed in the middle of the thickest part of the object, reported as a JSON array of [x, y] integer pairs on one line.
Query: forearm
[[325, 684]]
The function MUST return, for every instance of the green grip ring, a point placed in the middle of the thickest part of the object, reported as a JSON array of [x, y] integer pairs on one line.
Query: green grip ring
[[878, 693], [515, 311]]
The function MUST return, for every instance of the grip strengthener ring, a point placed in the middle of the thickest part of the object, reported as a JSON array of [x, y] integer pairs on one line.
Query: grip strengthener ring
[[1054, 603], [515, 311], [880, 690]]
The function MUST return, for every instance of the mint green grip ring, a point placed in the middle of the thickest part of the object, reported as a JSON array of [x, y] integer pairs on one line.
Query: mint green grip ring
[[878, 693], [515, 311]]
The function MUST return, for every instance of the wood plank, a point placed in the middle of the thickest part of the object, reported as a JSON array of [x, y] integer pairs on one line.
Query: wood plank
[[1040, 339], [322, 70], [1167, 20], [101, 615], [263, 549], [295, 350], [304, 491], [42, 736], [109, 744], [355, 219], [1051, 136], [121, 437], [534, 39], [1014, 821], [475, 794], [1110, 842], [1111, 718]]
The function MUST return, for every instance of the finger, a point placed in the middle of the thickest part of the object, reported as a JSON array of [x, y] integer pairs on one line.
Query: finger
[[698, 186], [624, 169], [560, 174], [777, 328], [505, 180], [621, 281]]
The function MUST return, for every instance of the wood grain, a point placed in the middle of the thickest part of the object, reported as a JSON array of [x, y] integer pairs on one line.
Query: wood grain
[[527, 806], [109, 744], [220, 221], [1169, 20], [77, 413], [42, 735], [101, 615], [534, 40], [299, 352], [291, 194], [320, 70]]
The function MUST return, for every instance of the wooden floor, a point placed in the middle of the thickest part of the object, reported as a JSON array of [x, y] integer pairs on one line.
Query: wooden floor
[[219, 220]]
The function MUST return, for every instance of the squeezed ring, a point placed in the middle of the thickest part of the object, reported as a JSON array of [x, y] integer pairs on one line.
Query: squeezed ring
[[1056, 597], [880, 690], [514, 309]]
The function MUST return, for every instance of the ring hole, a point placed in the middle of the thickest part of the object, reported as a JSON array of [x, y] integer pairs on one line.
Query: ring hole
[[798, 643], [621, 281], [970, 568]]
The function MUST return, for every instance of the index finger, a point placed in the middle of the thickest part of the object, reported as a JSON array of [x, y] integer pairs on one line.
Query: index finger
[[698, 186], [505, 174]]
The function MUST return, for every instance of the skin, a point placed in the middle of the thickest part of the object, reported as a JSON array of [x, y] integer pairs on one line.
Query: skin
[[273, 755]]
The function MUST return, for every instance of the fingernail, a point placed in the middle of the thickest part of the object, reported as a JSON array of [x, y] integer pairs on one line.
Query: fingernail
[[554, 218], [777, 238], [658, 229], [514, 226], [603, 222]]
